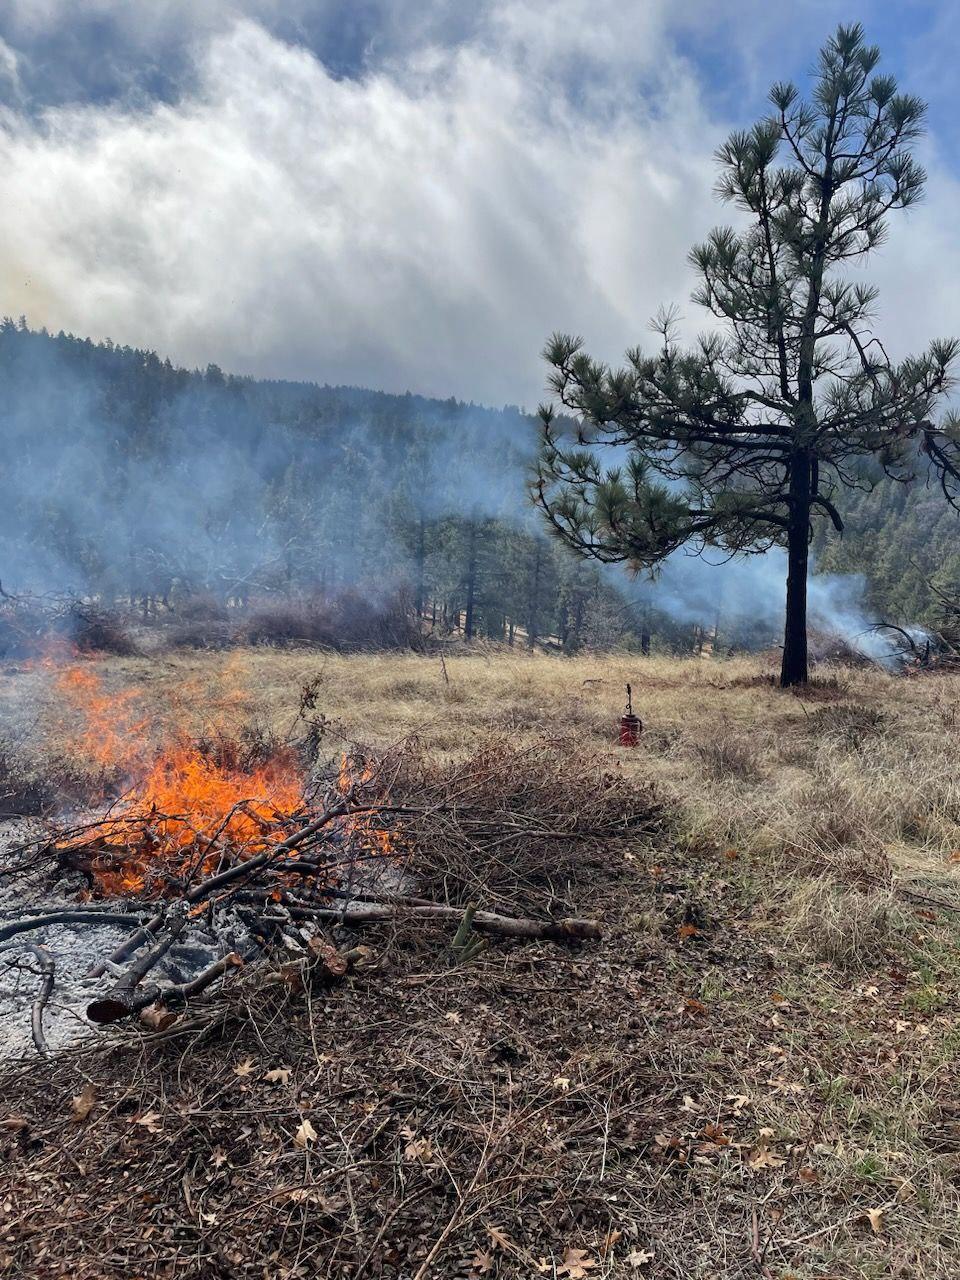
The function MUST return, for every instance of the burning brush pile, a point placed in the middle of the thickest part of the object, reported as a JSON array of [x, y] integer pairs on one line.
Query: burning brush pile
[[206, 854]]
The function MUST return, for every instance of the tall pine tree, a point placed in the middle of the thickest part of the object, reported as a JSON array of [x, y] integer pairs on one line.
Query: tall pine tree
[[744, 440]]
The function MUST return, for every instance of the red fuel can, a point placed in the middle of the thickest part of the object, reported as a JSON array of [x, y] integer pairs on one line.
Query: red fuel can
[[630, 727]]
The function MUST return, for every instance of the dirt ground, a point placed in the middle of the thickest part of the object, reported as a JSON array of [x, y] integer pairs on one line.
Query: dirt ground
[[752, 1074]]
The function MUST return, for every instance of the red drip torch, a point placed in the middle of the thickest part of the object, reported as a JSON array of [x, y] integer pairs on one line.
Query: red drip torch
[[630, 725]]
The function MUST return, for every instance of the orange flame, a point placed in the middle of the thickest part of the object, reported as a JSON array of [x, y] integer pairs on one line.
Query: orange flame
[[185, 805]]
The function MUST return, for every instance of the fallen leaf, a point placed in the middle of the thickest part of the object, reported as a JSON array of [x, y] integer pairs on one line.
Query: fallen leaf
[[562, 1083], [876, 1217], [500, 1239], [81, 1104], [244, 1068], [686, 931], [13, 1124], [278, 1075], [763, 1158], [305, 1134], [716, 1134], [482, 1262], [613, 1236], [639, 1257], [419, 1149], [576, 1263], [150, 1120]]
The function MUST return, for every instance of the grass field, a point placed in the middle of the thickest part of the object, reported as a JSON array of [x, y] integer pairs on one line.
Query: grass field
[[753, 1074], [864, 767]]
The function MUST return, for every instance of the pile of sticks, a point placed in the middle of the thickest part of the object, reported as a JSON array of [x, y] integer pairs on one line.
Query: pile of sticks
[[314, 875]]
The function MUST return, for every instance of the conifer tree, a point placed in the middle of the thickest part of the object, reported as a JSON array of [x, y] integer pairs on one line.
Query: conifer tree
[[748, 438]]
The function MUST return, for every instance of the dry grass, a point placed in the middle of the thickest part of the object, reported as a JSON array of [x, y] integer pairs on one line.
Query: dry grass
[[758, 1057], [863, 768]]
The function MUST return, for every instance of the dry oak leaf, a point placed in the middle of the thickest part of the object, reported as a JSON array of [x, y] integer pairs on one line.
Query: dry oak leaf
[[278, 1075], [150, 1120], [562, 1083], [482, 1262], [419, 1149], [763, 1158], [876, 1219], [639, 1257], [305, 1134], [612, 1238], [244, 1068], [81, 1104], [576, 1263]]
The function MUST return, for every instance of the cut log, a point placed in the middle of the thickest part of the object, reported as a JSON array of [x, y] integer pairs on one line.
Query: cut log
[[125, 998], [569, 929]]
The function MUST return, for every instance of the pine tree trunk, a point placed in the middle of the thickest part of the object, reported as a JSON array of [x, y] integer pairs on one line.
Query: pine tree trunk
[[471, 583], [421, 559], [794, 670], [533, 604]]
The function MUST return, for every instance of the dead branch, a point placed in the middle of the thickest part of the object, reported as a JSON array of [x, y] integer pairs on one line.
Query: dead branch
[[47, 979], [125, 918], [565, 930], [124, 999]]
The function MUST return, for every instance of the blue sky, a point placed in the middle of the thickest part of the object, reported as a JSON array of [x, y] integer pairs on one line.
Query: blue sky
[[411, 195]]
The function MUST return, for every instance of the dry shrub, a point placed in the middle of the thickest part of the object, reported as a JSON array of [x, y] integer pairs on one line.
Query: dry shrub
[[92, 629], [202, 608], [849, 725], [199, 633], [24, 792], [350, 620], [725, 755], [521, 828], [246, 748], [847, 927], [201, 622], [23, 630], [829, 832], [29, 629]]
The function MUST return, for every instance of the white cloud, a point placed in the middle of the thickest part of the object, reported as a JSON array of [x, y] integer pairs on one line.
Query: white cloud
[[9, 64], [425, 226]]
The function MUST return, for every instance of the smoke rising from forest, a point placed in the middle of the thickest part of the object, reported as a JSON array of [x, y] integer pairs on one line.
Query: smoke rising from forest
[[127, 477]]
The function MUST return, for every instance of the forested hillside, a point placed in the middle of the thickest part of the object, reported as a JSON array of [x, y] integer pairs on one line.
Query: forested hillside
[[906, 543], [129, 479]]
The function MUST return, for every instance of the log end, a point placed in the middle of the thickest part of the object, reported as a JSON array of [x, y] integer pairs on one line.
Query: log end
[[109, 1008], [585, 929]]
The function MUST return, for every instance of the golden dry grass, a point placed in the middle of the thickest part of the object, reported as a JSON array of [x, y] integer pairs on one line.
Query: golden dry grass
[[860, 772]]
